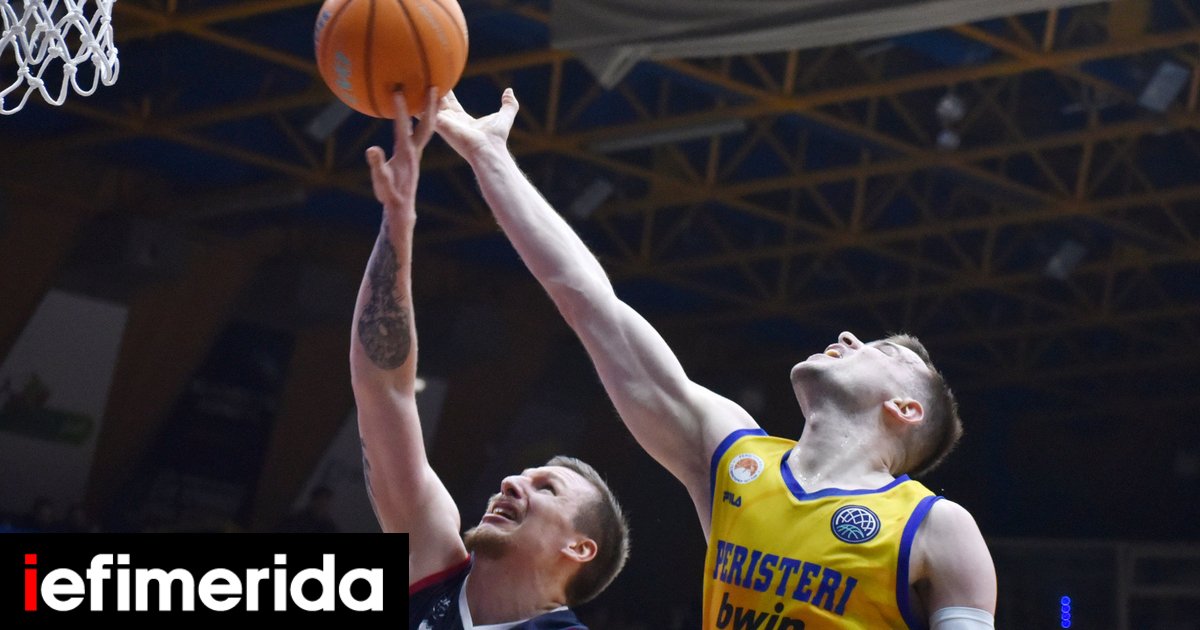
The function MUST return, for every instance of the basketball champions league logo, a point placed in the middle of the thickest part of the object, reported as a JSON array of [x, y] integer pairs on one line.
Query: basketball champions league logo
[[854, 524]]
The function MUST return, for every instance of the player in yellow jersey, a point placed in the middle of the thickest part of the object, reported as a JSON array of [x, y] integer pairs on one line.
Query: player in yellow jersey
[[823, 532]]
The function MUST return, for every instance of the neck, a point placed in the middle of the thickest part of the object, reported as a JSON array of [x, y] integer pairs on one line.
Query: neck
[[837, 450], [506, 589]]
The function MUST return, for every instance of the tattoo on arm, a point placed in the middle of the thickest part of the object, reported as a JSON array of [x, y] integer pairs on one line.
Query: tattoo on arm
[[367, 476], [383, 327]]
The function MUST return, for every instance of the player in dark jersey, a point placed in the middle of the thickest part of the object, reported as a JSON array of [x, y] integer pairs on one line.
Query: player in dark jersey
[[821, 532], [551, 538]]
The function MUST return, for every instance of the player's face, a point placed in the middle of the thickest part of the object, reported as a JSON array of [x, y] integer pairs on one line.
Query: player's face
[[879, 369], [534, 511]]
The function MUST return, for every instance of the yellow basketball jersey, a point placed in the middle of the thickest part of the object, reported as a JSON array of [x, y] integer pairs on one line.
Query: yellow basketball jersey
[[781, 558]]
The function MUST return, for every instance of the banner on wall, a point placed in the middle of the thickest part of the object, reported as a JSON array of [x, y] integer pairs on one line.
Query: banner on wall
[[54, 387], [340, 469]]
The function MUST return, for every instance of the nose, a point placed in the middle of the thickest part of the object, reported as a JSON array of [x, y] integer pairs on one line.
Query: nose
[[513, 486], [848, 339]]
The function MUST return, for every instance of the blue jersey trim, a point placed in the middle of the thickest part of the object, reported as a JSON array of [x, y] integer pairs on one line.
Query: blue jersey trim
[[798, 491], [906, 539], [718, 454]]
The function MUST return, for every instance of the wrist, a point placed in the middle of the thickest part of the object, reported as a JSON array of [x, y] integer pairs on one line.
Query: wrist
[[492, 152], [402, 217]]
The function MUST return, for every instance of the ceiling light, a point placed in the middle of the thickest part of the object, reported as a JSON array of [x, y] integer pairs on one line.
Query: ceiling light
[[324, 124], [1065, 260], [951, 109], [948, 140], [592, 197], [1168, 81]]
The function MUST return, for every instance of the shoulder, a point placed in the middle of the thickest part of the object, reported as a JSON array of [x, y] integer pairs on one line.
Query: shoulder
[[950, 531], [748, 450], [952, 557], [749, 439], [947, 517]]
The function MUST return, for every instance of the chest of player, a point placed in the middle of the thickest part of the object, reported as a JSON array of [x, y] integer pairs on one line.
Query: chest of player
[[816, 550], [833, 558]]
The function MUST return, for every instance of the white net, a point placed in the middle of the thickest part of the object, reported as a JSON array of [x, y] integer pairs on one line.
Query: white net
[[57, 44]]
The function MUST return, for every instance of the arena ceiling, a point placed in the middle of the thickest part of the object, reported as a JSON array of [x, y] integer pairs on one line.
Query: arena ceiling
[[1046, 248]]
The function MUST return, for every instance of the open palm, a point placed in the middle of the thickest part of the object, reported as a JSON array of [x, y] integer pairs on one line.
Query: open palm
[[466, 134]]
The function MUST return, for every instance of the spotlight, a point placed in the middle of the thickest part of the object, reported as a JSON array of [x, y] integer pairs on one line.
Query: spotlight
[[1166, 84], [591, 198], [325, 123], [951, 109], [948, 140], [1065, 260]]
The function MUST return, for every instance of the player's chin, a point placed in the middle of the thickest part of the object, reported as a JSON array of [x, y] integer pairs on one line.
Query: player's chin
[[807, 366], [486, 540]]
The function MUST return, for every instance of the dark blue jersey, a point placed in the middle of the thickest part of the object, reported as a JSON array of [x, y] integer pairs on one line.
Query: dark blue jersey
[[433, 605]]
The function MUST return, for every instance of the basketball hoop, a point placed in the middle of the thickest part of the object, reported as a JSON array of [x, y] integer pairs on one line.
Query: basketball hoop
[[50, 40]]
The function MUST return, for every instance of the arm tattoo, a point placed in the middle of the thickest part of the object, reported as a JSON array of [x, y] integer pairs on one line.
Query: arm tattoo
[[367, 476], [383, 327]]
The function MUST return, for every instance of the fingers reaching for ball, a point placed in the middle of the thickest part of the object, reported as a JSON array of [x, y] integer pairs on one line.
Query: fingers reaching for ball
[[509, 99], [394, 180], [382, 182], [468, 135], [508, 110], [428, 118], [450, 103], [407, 140]]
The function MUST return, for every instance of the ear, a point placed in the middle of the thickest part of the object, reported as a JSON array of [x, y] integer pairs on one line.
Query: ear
[[905, 410], [580, 550]]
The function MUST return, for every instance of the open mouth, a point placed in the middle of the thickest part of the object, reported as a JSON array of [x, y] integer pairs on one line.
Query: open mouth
[[503, 511], [833, 352]]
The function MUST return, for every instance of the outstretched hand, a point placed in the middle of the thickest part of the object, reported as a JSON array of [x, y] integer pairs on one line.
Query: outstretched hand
[[395, 180], [466, 134]]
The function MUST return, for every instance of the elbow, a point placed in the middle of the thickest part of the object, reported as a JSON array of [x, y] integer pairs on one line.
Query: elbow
[[360, 373], [370, 382], [366, 387]]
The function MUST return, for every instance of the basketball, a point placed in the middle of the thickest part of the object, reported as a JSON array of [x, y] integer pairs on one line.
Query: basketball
[[368, 49]]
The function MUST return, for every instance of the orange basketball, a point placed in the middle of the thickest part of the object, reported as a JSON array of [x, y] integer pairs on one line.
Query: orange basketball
[[367, 49]]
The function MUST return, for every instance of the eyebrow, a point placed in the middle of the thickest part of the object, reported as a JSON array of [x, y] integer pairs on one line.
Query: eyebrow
[[547, 472], [899, 348]]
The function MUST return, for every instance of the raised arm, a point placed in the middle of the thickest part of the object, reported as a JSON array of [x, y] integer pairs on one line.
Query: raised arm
[[405, 492], [677, 421]]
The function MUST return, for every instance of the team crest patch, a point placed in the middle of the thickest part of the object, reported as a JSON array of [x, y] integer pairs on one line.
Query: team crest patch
[[854, 524], [745, 468]]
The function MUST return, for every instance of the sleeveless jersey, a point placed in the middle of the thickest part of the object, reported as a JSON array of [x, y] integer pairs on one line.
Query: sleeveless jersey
[[781, 558], [433, 604]]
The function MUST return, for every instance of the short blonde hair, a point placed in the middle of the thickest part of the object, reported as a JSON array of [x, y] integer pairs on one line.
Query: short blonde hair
[[604, 522], [942, 428]]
